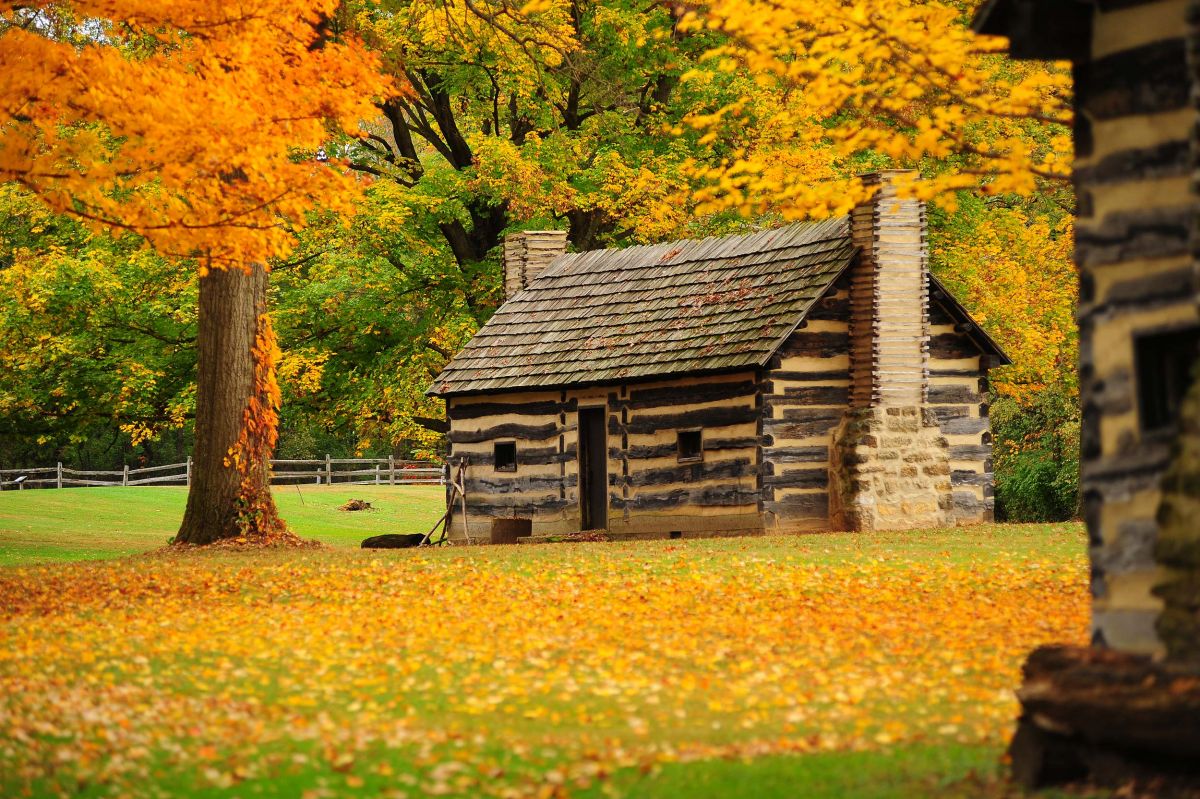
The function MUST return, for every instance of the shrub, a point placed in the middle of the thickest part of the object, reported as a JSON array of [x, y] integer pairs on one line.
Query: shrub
[[1036, 456]]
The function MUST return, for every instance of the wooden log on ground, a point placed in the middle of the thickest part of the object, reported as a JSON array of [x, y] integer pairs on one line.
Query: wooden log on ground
[[1109, 716], [394, 541]]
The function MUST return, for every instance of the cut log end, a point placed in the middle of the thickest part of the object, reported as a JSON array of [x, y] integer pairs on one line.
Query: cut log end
[[1108, 718]]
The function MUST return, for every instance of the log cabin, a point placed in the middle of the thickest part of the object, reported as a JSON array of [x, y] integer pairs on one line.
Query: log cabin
[[1127, 709], [1135, 149], [811, 377]]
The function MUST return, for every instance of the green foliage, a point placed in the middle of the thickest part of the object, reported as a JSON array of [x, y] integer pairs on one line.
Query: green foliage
[[1036, 453], [97, 339]]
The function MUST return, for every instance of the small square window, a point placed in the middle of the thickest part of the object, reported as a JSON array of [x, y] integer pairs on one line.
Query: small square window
[[691, 445], [505, 455], [1164, 374]]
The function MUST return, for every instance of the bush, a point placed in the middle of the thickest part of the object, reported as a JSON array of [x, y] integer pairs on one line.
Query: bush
[[1036, 456]]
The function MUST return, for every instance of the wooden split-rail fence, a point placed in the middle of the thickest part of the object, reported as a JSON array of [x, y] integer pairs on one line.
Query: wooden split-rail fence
[[349, 471]]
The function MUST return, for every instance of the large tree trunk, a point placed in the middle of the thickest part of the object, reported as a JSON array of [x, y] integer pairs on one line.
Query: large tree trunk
[[236, 412]]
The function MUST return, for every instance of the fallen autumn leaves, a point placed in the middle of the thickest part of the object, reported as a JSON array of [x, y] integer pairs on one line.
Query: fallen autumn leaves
[[501, 672]]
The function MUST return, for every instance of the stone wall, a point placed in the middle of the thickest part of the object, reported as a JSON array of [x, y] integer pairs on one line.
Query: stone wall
[[890, 470], [889, 462]]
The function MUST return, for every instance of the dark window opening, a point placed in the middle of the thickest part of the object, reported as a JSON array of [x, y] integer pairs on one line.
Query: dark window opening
[[505, 454], [1164, 363], [691, 445]]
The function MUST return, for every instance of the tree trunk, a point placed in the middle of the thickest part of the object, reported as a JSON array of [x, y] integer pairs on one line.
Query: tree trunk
[[236, 412]]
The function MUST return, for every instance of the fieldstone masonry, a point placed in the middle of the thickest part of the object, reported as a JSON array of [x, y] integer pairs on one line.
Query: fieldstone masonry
[[890, 470]]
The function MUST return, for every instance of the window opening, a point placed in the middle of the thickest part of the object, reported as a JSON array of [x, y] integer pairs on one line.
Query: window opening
[[1164, 374], [691, 445], [505, 454]]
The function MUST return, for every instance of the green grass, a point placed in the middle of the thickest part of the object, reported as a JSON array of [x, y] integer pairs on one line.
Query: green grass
[[911, 771], [38, 526], [950, 772], [86, 523]]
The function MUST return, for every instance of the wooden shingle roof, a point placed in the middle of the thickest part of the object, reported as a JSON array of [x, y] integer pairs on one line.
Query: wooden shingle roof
[[663, 310]]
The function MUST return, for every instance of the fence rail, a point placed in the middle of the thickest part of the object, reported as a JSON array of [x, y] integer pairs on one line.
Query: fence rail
[[285, 471]]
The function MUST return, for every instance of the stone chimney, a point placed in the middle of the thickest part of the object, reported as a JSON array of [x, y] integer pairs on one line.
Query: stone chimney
[[527, 253], [889, 464]]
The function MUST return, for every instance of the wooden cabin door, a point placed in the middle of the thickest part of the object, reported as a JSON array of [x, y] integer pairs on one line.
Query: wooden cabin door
[[593, 469]]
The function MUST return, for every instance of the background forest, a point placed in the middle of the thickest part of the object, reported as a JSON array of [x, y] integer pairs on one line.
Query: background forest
[[609, 119]]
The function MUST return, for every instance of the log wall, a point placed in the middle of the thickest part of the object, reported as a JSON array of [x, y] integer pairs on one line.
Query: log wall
[[651, 492], [957, 397], [806, 393], [544, 486], [1136, 209]]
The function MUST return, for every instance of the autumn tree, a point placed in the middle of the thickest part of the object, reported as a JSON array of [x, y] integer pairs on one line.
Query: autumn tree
[[196, 126], [515, 115], [97, 339], [907, 83]]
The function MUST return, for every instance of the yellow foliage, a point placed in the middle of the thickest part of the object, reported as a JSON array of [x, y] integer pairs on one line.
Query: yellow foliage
[[905, 82], [1015, 272]]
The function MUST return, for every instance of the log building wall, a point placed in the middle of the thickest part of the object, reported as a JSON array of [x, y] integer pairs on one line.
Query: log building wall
[[650, 491], [957, 397], [1136, 207], [739, 487], [806, 394]]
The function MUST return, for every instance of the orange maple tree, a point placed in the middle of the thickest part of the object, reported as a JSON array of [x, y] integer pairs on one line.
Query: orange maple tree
[[198, 126]]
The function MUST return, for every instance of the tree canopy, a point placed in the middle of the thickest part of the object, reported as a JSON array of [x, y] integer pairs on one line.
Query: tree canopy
[[622, 122]]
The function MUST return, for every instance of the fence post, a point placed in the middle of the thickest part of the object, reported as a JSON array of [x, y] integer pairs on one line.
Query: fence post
[[187, 473], [58, 483], [328, 470], [391, 470], [125, 475], [445, 471]]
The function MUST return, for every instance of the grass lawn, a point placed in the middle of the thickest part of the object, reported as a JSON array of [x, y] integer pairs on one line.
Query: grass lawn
[[816, 666], [82, 523]]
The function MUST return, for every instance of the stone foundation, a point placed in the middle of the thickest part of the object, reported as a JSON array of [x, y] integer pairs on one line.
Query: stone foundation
[[890, 470]]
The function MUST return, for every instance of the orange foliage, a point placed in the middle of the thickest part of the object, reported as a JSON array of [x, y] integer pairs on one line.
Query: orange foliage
[[503, 671], [251, 455], [190, 122]]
